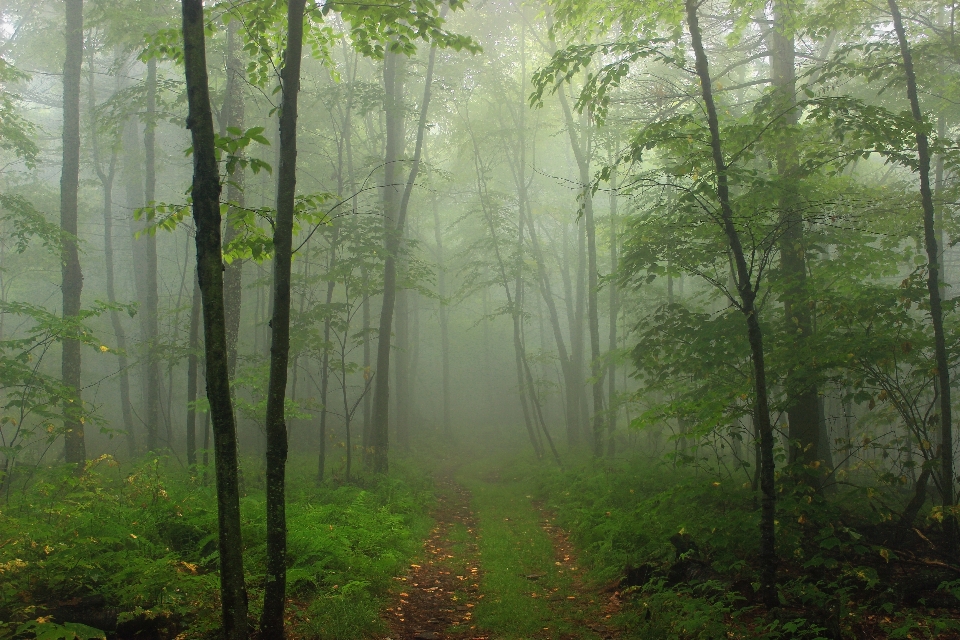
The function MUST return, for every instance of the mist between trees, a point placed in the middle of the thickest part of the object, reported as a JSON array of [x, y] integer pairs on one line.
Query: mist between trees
[[719, 234]]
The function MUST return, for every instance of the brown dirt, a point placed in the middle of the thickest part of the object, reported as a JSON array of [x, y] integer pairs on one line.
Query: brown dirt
[[606, 602], [435, 599]]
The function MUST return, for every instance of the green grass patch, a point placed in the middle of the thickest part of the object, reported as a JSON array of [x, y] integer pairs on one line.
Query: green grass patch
[[513, 546]]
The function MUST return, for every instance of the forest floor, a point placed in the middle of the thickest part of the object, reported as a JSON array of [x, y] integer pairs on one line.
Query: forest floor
[[496, 566]]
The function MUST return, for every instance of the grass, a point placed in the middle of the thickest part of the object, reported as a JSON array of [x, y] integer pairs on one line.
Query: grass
[[513, 545]]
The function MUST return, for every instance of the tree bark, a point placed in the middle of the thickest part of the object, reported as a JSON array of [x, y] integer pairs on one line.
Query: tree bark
[[232, 116], [612, 335], [581, 151], [444, 327], [193, 362], [376, 455], [72, 277], [747, 294], [206, 212], [274, 596], [395, 214], [803, 422], [106, 181], [933, 272], [147, 252], [325, 360]]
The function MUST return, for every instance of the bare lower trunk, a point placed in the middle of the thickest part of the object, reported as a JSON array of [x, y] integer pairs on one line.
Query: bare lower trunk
[[107, 181], [933, 275], [274, 594], [206, 212], [612, 335], [72, 278], [193, 366], [747, 294], [147, 255]]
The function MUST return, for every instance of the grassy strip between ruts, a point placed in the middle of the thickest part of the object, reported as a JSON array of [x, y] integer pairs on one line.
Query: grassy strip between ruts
[[527, 590]]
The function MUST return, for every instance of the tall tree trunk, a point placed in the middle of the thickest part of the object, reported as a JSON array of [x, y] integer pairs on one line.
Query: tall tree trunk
[[570, 382], [75, 451], [206, 213], [574, 391], [612, 335], [579, 319], [401, 373], [443, 317], [933, 275], [513, 303], [582, 150], [395, 214], [747, 294], [325, 360], [147, 252], [106, 181], [274, 595], [232, 116], [376, 455], [802, 398], [193, 363]]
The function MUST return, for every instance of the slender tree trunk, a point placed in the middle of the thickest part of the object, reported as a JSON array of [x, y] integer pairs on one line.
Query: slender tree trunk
[[748, 294], [233, 116], [574, 391], [107, 181], [206, 212], [581, 150], [443, 317], [192, 370], [612, 335], [325, 360], [147, 253], [395, 213], [802, 398], [401, 373], [933, 274], [578, 327], [513, 303], [571, 413], [274, 596], [376, 455], [72, 277]]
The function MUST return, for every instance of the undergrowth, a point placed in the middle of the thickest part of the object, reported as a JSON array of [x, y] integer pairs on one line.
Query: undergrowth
[[141, 540], [838, 576]]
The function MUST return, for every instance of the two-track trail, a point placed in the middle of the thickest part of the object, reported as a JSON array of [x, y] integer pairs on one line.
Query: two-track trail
[[496, 566]]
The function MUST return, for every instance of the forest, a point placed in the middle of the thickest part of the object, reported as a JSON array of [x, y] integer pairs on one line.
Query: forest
[[479, 320]]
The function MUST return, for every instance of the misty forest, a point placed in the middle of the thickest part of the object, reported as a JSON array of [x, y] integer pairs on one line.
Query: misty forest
[[479, 320]]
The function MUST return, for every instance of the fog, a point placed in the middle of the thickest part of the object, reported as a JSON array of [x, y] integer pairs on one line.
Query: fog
[[713, 237]]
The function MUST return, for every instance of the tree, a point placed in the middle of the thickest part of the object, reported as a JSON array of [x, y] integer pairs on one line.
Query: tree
[[72, 276], [747, 291], [206, 213], [933, 270], [274, 596]]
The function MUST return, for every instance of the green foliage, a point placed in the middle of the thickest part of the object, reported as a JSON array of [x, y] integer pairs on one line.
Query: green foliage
[[144, 538], [28, 222], [16, 132], [378, 26]]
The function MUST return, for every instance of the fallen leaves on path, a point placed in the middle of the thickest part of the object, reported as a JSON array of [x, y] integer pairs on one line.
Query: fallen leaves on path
[[439, 593]]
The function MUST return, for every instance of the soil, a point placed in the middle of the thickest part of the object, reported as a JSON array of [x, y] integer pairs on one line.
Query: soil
[[439, 592]]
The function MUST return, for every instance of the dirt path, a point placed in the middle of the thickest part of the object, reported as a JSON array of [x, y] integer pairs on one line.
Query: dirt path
[[438, 597], [440, 591], [606, 602]]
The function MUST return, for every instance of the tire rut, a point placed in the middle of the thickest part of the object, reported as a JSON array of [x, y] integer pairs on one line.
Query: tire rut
[[438, 593]]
